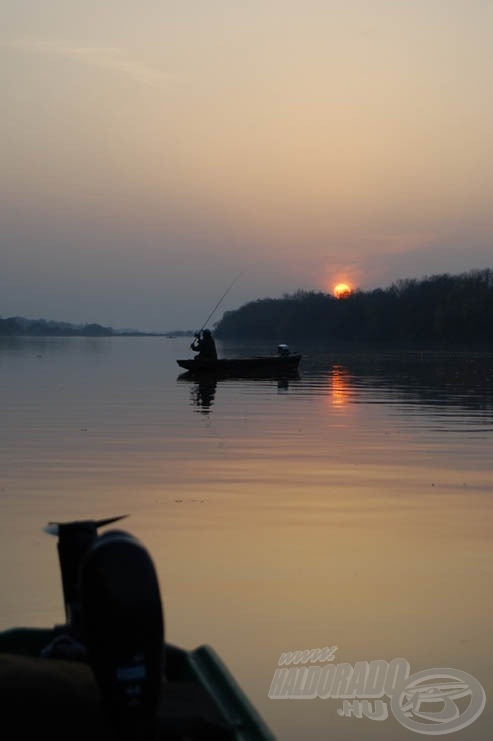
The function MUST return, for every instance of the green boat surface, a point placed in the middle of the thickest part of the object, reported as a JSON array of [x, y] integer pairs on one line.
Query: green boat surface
[[200, 698], [109, 673]]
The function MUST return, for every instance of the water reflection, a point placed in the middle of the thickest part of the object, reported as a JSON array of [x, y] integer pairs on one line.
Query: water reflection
[[340, 388], [203, 387], [366, 522], [203, 393], [412, 379], [282, 385], [423, 378]]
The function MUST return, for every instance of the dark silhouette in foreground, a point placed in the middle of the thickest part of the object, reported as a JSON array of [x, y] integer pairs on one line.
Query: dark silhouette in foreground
[[108, 672]]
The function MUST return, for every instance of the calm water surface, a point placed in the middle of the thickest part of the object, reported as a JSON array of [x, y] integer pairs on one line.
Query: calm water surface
[[352, 506]]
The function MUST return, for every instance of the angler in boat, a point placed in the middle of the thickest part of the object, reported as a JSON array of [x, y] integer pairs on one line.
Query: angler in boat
[[284, 362], [205, 346]]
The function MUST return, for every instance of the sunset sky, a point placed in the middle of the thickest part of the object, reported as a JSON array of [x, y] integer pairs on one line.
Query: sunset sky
[[152, 151]]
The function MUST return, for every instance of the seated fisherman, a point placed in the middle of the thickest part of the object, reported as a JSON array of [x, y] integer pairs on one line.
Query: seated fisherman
[[205, 346]]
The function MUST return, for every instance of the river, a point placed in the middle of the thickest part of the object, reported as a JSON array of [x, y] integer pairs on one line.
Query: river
[[349, 507]]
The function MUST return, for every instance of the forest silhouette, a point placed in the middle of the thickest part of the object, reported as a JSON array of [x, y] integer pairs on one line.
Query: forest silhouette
[[19, 326], [445, 308], [437, 308]]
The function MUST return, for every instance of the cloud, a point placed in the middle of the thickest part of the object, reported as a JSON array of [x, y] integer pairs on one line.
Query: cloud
[[108, 58]]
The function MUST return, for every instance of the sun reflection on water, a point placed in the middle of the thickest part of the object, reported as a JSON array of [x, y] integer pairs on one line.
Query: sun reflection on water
[[340, 389]]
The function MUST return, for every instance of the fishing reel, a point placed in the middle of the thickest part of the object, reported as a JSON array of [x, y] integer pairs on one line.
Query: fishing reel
[[113, 611]]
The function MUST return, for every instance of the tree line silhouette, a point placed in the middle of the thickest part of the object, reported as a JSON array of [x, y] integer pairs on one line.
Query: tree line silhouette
[[19, 326], [446, 308]]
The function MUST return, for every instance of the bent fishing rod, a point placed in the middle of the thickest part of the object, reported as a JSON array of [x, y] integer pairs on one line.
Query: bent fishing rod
[[220, 301]]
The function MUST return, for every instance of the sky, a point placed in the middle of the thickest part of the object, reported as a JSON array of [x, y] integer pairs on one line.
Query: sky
[[151, 152]]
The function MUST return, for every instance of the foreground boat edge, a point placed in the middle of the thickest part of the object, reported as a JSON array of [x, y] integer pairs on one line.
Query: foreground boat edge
[[200, 666]]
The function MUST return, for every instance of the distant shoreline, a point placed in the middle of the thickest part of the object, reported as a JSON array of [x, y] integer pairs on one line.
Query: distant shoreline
[[443, 308], [23, 327]]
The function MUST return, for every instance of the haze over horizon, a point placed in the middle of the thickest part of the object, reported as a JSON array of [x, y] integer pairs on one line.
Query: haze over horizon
[[153, 152]]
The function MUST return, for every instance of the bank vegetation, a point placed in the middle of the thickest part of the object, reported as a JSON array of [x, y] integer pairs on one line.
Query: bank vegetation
[[444, 308]]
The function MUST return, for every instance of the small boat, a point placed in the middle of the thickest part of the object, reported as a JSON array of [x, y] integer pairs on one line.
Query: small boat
[[109, 673], [285, 362], [199, 699]]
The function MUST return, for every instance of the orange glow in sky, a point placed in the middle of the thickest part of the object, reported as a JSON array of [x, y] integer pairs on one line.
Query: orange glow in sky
[[143, 154]]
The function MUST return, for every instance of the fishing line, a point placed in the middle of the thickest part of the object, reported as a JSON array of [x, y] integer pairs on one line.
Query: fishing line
[[221, 299]]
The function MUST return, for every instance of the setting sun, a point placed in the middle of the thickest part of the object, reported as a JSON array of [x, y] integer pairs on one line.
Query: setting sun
[[341, 290]]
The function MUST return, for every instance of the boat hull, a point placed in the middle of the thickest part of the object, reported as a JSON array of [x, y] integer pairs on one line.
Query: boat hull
[[266, 364], [200, 698]]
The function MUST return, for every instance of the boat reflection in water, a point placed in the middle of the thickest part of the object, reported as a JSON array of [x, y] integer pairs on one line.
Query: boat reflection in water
[[204, 386], [203, 393], [205, 373]]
